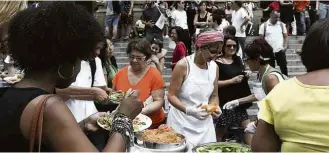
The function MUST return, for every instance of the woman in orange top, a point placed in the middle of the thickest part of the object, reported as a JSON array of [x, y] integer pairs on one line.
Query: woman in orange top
[[139, 75]]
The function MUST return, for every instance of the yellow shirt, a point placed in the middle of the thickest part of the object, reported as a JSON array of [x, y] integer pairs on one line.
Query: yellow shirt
[[300, 115]]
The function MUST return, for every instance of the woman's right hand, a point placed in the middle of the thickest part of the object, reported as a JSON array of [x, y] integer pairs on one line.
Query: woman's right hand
[[237, 79], [131, 104], [197, 112]]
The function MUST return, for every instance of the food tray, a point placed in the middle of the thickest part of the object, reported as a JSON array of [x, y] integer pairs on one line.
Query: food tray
[[219, 147], [154, 145]]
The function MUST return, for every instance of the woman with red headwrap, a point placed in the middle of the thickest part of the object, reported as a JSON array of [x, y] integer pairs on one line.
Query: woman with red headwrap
[[193, 84]]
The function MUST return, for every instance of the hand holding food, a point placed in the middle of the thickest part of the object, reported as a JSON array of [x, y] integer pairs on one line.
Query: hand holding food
[[212, 109], [197, 112], [131, 104], [117, 96], [91, 122], [100, 94]]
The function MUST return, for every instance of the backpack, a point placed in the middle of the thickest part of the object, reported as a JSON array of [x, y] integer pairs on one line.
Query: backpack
[[265, 26], [269, 71]]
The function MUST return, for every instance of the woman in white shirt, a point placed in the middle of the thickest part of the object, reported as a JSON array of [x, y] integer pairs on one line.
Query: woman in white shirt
[[179, 18]]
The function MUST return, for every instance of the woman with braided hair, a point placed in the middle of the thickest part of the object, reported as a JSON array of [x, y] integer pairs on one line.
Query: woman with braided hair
[[194, 83]]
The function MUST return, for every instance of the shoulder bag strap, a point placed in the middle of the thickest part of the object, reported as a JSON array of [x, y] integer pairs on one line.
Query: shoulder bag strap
[[37, 122]]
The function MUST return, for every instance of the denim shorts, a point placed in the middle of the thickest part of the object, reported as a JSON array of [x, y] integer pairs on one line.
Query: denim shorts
[[112, 20]]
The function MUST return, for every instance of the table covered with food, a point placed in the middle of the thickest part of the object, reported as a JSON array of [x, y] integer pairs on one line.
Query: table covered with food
[[165, 139]]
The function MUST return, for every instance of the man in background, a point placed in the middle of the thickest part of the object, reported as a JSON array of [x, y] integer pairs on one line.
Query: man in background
[[240, 19], [149, 17]]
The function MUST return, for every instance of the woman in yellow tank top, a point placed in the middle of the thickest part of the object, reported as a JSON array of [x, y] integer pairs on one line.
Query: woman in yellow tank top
[[294, 116]]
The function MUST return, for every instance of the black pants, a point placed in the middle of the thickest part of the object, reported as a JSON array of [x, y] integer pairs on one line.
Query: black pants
[[313, 15], [242, 41], [281, 59]]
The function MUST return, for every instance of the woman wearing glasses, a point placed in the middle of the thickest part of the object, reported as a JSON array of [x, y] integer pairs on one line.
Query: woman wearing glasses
[[194, 83], [234, 92], [139, 75], [259, 56]]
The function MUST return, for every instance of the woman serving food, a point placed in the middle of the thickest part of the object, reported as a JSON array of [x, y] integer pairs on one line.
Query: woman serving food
[[140, 75], [194, 83]]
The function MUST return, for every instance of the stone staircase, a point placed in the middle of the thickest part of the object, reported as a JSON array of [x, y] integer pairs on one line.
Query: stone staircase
[[295, 66]]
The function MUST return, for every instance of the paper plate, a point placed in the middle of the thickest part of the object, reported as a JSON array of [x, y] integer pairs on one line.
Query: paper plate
[[12, 80], [141, 122]]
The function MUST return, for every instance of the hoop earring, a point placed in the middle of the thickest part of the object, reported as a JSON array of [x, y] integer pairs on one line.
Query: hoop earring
[[60, 75]]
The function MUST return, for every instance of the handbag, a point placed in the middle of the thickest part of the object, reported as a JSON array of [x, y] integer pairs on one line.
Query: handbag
[[37, 122]]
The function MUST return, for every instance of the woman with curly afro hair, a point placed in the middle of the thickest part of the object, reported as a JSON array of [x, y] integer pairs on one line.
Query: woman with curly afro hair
[[48, 43]]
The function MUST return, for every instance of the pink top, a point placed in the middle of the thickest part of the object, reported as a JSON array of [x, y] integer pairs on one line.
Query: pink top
[[179, 53]]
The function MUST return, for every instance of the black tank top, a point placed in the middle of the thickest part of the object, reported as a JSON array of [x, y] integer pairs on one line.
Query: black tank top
[[202, 19], [13, 101]]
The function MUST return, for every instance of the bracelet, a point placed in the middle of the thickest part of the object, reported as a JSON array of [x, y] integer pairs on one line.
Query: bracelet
[[122, 124]]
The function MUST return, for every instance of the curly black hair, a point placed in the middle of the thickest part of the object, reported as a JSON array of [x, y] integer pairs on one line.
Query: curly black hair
[[46, 37]]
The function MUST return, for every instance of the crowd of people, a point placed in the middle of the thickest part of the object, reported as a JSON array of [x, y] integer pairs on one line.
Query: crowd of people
[[70, 71]]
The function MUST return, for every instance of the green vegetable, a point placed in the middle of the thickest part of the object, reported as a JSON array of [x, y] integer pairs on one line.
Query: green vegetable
[[223, 147]]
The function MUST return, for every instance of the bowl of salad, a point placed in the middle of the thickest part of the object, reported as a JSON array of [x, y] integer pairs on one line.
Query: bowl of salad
[[221, 147]]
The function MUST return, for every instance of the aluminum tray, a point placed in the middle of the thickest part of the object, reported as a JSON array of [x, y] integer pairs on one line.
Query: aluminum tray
[[154, 145]]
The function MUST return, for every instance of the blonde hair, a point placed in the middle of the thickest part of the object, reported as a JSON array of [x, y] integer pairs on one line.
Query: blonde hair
[[9, 8]]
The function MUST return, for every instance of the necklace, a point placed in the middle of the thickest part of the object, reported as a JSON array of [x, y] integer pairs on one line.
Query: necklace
[[225, 61]]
